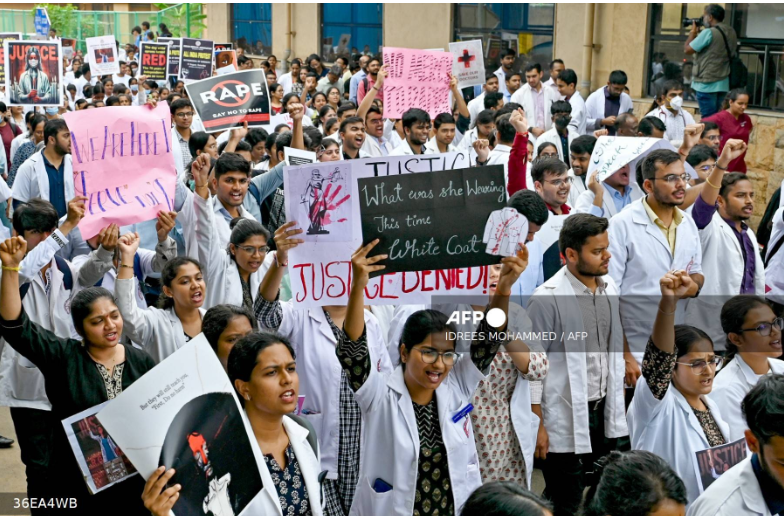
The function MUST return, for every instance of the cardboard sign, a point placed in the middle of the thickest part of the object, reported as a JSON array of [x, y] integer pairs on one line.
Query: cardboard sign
[[102, 55], [175, 49], [154, 60], [320, 268], [611, 153], [228, 101], [417, 79], [469, 64], [711, 463], [413, 217], [22, 87], [195, 59], [184, 414], [123, 164], [100, 460], [6, 36]]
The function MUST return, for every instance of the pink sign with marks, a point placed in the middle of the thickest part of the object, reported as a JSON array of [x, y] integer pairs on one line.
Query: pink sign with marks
[[122, 163], [417, 79]]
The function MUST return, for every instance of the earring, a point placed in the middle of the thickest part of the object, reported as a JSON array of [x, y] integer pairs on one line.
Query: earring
[[247, 397]]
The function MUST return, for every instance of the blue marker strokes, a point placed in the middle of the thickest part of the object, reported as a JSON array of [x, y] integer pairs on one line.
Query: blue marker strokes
[[140, 202], [165, 137], [105, 141], [110, 198], [76, 148], [84, 184], [168, 203], [91, 204], [99, 203], [120, 195], [133, 128]]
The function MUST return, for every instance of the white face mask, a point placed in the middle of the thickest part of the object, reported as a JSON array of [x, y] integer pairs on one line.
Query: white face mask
[[33, 62], [676, 103]]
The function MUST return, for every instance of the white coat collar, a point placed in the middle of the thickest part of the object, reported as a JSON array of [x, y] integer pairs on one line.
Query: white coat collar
[[750, 489], [640, 216], [318, 316], [693, 421]]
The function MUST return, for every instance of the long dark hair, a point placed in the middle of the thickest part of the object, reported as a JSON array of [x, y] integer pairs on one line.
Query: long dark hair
[[218, 317], [733, 315], [422, 323], [733, 95], [243, 229], [504, 499], [168, 274]]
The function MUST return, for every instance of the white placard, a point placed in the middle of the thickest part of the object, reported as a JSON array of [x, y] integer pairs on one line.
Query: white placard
[[102, 55]]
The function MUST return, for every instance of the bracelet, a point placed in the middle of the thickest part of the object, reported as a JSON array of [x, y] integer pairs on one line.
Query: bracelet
[[15, 269], [667, 313], [711, 184], [199, 186], [719, 166], [280, 264], [375, 88], [126, 266]]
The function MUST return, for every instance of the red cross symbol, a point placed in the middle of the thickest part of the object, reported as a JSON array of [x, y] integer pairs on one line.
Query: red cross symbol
[[466, 58]]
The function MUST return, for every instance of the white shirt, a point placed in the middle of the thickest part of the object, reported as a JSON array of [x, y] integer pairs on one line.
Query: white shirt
[[432, 145], [675, 123], [126, 79], [736, 492], [476, 106], [579, 116], [404, 149]]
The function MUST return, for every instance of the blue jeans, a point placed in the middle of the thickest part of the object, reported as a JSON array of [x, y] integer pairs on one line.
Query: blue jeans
[[710, 103]]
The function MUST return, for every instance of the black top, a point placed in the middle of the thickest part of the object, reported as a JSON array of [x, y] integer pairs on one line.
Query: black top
[[74, 383]]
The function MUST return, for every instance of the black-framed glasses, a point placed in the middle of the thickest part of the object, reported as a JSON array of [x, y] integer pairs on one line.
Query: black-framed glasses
[[673, 178], [430, 356], [699, 366], [560, 182], [185, 115], [253, 250], [765, 329]]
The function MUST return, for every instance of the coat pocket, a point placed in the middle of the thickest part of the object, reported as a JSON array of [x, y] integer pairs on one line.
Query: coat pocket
[[28, 382]]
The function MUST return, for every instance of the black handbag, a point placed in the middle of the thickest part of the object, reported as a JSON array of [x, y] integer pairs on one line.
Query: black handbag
[[739, 74]]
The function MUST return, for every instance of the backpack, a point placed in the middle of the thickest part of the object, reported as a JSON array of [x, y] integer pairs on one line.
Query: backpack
[[366, 84], [254, 191], [739, 74], [62, 266]]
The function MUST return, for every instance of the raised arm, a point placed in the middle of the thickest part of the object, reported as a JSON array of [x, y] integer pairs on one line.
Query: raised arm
[[267, 307], [166, 249], [235, 137], [99, 262], [297, 111], [138, 325], [518, 158], [370, 96], [462, 107]]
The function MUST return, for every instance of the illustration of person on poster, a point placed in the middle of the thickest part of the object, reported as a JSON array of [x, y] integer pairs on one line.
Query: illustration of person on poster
[[33, 73]]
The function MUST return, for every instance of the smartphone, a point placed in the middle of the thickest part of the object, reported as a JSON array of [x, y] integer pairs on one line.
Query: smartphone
[[381, 486]]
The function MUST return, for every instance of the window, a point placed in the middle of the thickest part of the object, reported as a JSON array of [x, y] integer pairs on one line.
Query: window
[[252, 28], [527, 28], [350, 29], [760, 29]]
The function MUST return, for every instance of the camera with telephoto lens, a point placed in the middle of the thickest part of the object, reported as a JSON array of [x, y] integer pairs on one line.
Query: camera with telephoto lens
[[688, 21]]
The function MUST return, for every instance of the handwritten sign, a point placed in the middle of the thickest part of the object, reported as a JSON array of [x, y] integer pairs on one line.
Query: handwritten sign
[[175, 49], [102, 55], [154, 62], [123, 164], [469, 63], [417, 79], [413, 217], [195, 59], [611, 153], [320, 272]]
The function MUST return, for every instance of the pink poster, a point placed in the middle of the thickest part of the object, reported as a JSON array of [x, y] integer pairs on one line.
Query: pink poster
[[122, 163], [417, 79]]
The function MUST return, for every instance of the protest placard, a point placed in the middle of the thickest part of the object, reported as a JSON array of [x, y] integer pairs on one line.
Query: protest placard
[[223, 46], [228, 101], [413, 217], [123, 164], [6, 36], [320, 273], [102, 55], [225, 61], [25, 88], [175, 49], [195, 59], [317, 199], [469, 62], [295, 157], [713, 462], [101, 461], [154, 60], [184, 414], [417, 79], [611, 153]]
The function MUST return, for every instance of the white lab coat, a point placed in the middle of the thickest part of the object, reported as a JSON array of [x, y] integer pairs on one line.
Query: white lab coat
[[476, 106], [736, 492], [432, 145], [224, 285], [320, 372], [554, 308], [404, 149], [524, 97], [731, 385], [392, 440], [675, 123], [177, 153], [585, 201], [500, 156], [32, 181], [578, 187], [579, 115], [532, 276], [774, 270], [722, 264], [267, 501], [640, 258], [552, 136], [594, 108], [669, 428]]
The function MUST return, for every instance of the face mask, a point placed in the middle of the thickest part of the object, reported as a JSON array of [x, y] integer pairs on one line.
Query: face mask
[[676, 103], [562, 122], [33, 62], [134, 88], [51, 111]]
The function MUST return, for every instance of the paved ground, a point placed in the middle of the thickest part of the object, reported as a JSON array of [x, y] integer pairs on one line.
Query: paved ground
[[12, 475]]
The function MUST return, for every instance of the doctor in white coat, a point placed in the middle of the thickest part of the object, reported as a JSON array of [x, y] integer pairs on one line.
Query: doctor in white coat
[[583, 399], [647, 239], [32, 181], [561, 112], [416, 418], [671, 414], [753, 487], [753, 344], [595, 112], [539, 121]]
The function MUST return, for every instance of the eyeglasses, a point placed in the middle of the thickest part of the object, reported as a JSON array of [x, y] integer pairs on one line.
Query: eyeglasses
[[253, 250], [560, 182], [184, 115], [430, 356], [764, 329], [700, 366], [714, 138], [673, 178]]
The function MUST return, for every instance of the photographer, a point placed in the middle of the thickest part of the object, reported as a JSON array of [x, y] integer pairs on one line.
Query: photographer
[[713, 48]]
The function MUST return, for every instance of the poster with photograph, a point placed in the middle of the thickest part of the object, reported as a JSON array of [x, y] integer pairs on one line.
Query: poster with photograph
[[228, 101], [102, 462], [154, 60], [223, 46], [195, 59], [175, 47], [102, 55], [712, 463], [225, 61], [6, 36], [33, 73], [318, 201], [184, 414]]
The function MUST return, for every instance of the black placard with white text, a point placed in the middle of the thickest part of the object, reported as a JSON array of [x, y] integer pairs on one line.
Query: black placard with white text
[[175, 49], [154, 60], [195, 59], [431, 221], [228, 101]]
